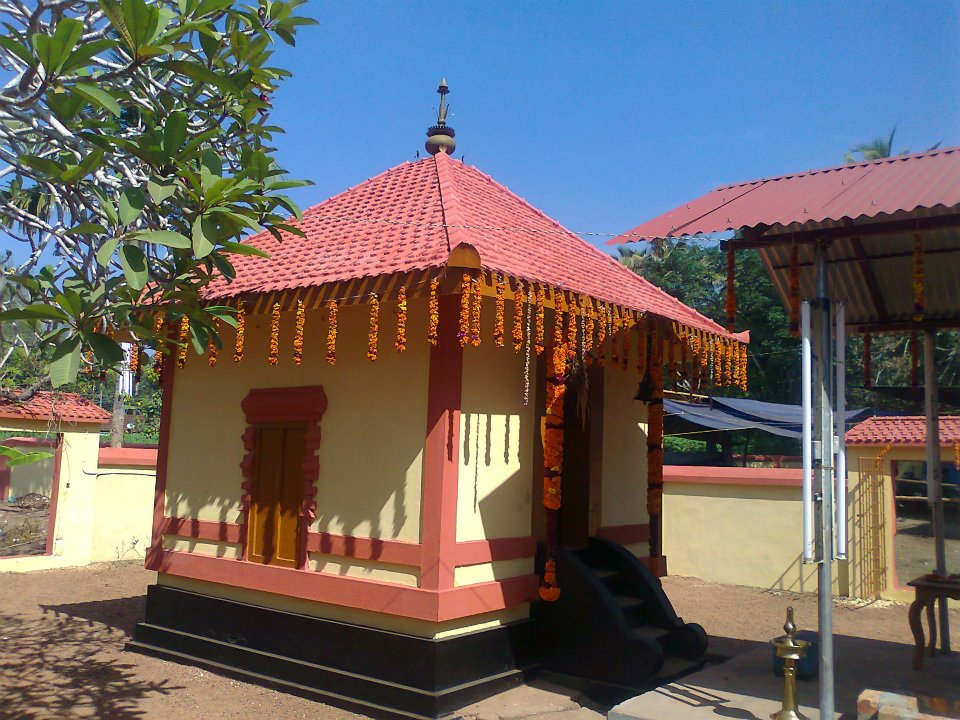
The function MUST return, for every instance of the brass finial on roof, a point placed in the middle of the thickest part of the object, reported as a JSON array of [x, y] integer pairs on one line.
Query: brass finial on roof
[[440, 137]]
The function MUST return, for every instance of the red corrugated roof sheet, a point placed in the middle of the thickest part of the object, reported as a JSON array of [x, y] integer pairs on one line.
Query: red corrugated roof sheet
[[906, 430], [410, 217], [62, 407], [861, 190]]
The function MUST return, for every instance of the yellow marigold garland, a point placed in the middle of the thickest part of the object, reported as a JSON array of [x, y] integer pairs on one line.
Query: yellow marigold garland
[[743, 367], [373, 334], [332, 332], [475, 313], [552, 437], [464, 334], [498, 329], [400, 344], [590, 327], [558, 323], [538, 336], [241, 324], [135, 360], [572, 328], [212, 349], [182, 338], [434, 309], [717, 346], [603, 320], [301, 319], [919, 290], [274, 355], [161, 343], [518, 309]]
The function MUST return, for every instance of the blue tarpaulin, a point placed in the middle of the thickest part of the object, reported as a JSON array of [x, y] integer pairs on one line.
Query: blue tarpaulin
[[735, 414]]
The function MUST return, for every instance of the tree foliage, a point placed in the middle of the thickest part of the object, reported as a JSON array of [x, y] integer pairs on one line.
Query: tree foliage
[[135, 157]]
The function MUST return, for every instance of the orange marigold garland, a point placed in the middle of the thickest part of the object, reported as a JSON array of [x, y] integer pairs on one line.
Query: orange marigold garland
[[212, 349], [434, 309], [572, 328], [475, 313], [400, 344], [498, 329], [373, 334], [603, 320], [731, 304], [464, 334], [301, 319], [538, 336], [717, 344], [743, 367], [794, 290], [919, 290], [241, 324], [135, 360], [182, 338], [590, 327], [728, 363], [161, 343], [274, 356], [552, 436], [518, 309], [332, 332]]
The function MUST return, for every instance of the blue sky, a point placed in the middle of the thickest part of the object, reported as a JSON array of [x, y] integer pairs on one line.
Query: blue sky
[[605, 114]]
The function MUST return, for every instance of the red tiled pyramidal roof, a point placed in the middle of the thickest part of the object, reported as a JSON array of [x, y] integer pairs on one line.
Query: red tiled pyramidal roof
[[904, 430], [410, 217], [62, 407]]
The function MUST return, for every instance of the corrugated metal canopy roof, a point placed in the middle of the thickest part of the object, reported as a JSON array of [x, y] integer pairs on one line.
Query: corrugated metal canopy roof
[[868, 211]]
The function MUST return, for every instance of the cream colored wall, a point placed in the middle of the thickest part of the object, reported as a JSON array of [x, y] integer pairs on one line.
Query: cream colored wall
[[736, 534], [393, 623], [123, 512], [35, 477], [624, 450], [76, 500], [373, 429], [497, 439]]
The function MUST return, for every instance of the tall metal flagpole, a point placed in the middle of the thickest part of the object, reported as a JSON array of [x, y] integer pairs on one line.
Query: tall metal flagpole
[[934, 472], [823, 445]]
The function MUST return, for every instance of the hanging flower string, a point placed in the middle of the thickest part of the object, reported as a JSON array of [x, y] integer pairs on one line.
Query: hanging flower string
[[475, 313], [161, 343], [589, 327], [332, 332], [552, 436], [373, 334], [538, 338], [434, 309], [625, 360], [572, 329], [528, 348], [182, 338], [241, 324], [918, 279], [301, 319], [274, 356], [518, 311], [400, 344], [498, 329], [135, 360], [212, 349], [464, 334], [603, 321]]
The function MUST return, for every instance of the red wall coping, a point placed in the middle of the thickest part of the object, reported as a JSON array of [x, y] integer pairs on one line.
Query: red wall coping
[[128, 456], [697, 475], [29, 442]]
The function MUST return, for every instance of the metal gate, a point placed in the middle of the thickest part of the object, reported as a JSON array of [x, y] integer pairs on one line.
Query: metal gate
[[868, 521]]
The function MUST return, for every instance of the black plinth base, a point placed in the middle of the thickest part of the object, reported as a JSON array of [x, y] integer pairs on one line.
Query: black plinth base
[[354, 666]]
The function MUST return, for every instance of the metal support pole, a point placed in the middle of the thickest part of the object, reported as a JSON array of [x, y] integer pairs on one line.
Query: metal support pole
[[934, 474], [841, 428], [806, 392], [823, 431]]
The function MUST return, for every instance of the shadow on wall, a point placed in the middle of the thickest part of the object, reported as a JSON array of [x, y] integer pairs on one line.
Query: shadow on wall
[[52, 667]]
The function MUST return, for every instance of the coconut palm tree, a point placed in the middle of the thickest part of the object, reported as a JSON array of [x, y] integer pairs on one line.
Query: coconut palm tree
[[876, 149]]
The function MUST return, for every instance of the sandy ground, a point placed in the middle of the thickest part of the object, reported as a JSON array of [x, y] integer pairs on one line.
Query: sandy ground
[[62, 634]]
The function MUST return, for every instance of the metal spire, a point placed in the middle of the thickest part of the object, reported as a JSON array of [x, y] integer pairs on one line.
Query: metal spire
[[440, 137]]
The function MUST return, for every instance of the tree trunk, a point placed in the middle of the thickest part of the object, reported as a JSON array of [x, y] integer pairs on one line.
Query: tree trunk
[[119, 420]]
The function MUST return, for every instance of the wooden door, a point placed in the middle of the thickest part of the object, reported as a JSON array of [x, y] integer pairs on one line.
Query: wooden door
[[276, 495]]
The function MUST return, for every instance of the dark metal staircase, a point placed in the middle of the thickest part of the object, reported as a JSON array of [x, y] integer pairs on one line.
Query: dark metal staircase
[[613, 624]]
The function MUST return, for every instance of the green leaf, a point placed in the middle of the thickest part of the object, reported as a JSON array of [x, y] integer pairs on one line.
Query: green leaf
[[87, 229], [204, 236], [242, 249], [98, 96], [18, 49], [70, 302], [107, 350], [115, 16], [37, 311], [134, 264], [132, 202], [210, 161], [16, 457], [141, 20], [82, 55], [164, 237], [160, 191], [203, 74], [65, 363], [105, 252], [174, 133]]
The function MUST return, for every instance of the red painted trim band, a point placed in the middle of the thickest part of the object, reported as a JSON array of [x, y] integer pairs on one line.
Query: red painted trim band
[[477, 552], [127, 457], [201, 529], [626, 534], [373, 595], [395, 552], [695, 475]]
